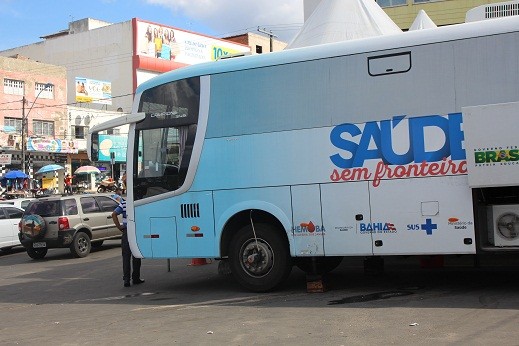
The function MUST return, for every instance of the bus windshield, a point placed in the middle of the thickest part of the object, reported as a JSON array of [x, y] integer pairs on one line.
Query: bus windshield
[[165, 137]]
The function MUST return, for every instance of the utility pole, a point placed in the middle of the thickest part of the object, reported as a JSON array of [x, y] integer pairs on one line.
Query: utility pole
[[24, 120], [23, 133], [270, 34]]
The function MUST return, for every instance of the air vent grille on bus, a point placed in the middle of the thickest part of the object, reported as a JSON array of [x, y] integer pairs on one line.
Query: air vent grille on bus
[[502, 10], [495, 10], [189, 210]]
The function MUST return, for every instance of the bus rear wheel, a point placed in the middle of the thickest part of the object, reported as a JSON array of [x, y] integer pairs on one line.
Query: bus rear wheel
[[259, 264]]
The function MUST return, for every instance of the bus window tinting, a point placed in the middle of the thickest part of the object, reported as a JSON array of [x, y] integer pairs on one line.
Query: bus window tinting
[[165, 137]]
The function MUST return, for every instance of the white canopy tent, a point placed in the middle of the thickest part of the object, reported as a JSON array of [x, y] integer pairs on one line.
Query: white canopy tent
[[341, 20], [422, 21]]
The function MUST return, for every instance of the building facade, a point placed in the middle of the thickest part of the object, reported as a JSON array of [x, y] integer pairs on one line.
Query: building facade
[[105, 63], [81, 119], [33, 121], [258, 43]]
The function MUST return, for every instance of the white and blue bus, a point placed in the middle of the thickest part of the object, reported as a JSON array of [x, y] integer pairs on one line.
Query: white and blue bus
[[302, 157]]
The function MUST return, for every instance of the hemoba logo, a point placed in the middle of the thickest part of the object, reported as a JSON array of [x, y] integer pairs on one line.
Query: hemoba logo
[[367, 152], [308, 229]]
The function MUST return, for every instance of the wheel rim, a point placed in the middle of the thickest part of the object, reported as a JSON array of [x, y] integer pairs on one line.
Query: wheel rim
[[82, 245], [256, 258]]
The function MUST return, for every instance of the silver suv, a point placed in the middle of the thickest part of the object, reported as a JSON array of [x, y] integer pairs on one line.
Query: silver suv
[[78, 222]]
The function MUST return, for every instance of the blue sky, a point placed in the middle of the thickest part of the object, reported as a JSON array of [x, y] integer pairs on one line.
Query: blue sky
[[24, 21]]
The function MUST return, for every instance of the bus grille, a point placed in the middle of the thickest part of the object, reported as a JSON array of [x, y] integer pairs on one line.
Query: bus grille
[[189, 210]]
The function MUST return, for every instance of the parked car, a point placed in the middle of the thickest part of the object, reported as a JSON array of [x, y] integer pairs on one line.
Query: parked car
[[21, 203], [9, 218], [77, 222]]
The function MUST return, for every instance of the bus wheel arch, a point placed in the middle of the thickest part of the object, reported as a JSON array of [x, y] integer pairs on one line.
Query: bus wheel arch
[[241, 219], [259, 253]]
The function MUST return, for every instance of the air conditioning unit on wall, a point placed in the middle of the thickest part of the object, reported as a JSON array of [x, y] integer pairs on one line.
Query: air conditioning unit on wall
[[505, 225]]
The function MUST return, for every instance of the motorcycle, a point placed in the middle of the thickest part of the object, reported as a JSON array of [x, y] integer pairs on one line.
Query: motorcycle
[[107, 185], [80, 187], [43, 192]]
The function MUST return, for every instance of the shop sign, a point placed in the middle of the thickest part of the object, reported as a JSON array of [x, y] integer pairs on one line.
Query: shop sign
[[111, 146], [93, 91], [52, 145], [5, 159]]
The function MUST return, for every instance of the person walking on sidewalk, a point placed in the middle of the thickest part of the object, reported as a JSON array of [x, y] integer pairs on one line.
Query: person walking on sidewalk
[[128, 260]]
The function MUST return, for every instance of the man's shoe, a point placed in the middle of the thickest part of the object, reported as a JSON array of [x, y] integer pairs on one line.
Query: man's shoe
[[127, 284], [138, 281]]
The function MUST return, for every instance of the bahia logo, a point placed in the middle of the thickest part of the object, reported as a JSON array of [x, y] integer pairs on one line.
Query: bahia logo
[[308, 229], [377, 227]]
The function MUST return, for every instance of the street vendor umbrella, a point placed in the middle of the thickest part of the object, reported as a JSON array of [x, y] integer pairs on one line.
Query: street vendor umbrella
[[15, 175], [49, 168], [87, 170]]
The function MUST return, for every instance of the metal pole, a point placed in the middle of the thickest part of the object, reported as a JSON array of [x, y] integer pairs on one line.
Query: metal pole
[[24, 121], [271, 36], [23, 134]]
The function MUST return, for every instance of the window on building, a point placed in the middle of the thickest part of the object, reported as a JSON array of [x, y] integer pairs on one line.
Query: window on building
[[389, 3], [13, 86], [13, 124], [80, 132], [46, 91], [113, 132], [259, 49], [43, 128]]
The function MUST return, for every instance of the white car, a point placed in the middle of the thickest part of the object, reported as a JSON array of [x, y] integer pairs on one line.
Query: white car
[[21, 203], [10, 216]]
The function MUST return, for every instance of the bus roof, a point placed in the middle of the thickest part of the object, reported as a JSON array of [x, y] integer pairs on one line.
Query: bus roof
[[371, 44]]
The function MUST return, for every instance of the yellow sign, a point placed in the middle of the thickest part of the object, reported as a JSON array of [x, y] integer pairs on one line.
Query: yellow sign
[[48, 183], [218, 52]]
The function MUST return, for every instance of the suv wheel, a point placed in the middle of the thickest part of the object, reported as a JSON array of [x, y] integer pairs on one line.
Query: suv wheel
[[36, 253], [80, 246]]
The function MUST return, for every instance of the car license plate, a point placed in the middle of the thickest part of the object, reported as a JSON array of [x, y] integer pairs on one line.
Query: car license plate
[[39, 244]]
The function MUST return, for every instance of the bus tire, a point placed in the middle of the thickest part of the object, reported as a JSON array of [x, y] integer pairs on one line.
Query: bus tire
[[323, 265], [263, 270]]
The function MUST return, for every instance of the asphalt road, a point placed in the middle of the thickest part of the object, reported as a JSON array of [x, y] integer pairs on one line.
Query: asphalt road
[[66, 301]]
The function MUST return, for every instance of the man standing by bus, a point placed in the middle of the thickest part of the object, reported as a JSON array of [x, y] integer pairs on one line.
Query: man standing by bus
[[128, 260]]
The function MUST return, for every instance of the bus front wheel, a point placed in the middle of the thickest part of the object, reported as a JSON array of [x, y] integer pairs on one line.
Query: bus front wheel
[[259, 263]]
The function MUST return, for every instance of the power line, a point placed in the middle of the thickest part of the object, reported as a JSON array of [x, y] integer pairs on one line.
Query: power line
[[273, 27], [63, 105], [5, 103]]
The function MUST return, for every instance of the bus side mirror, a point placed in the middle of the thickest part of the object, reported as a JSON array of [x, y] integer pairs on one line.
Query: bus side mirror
[[94, 147]]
